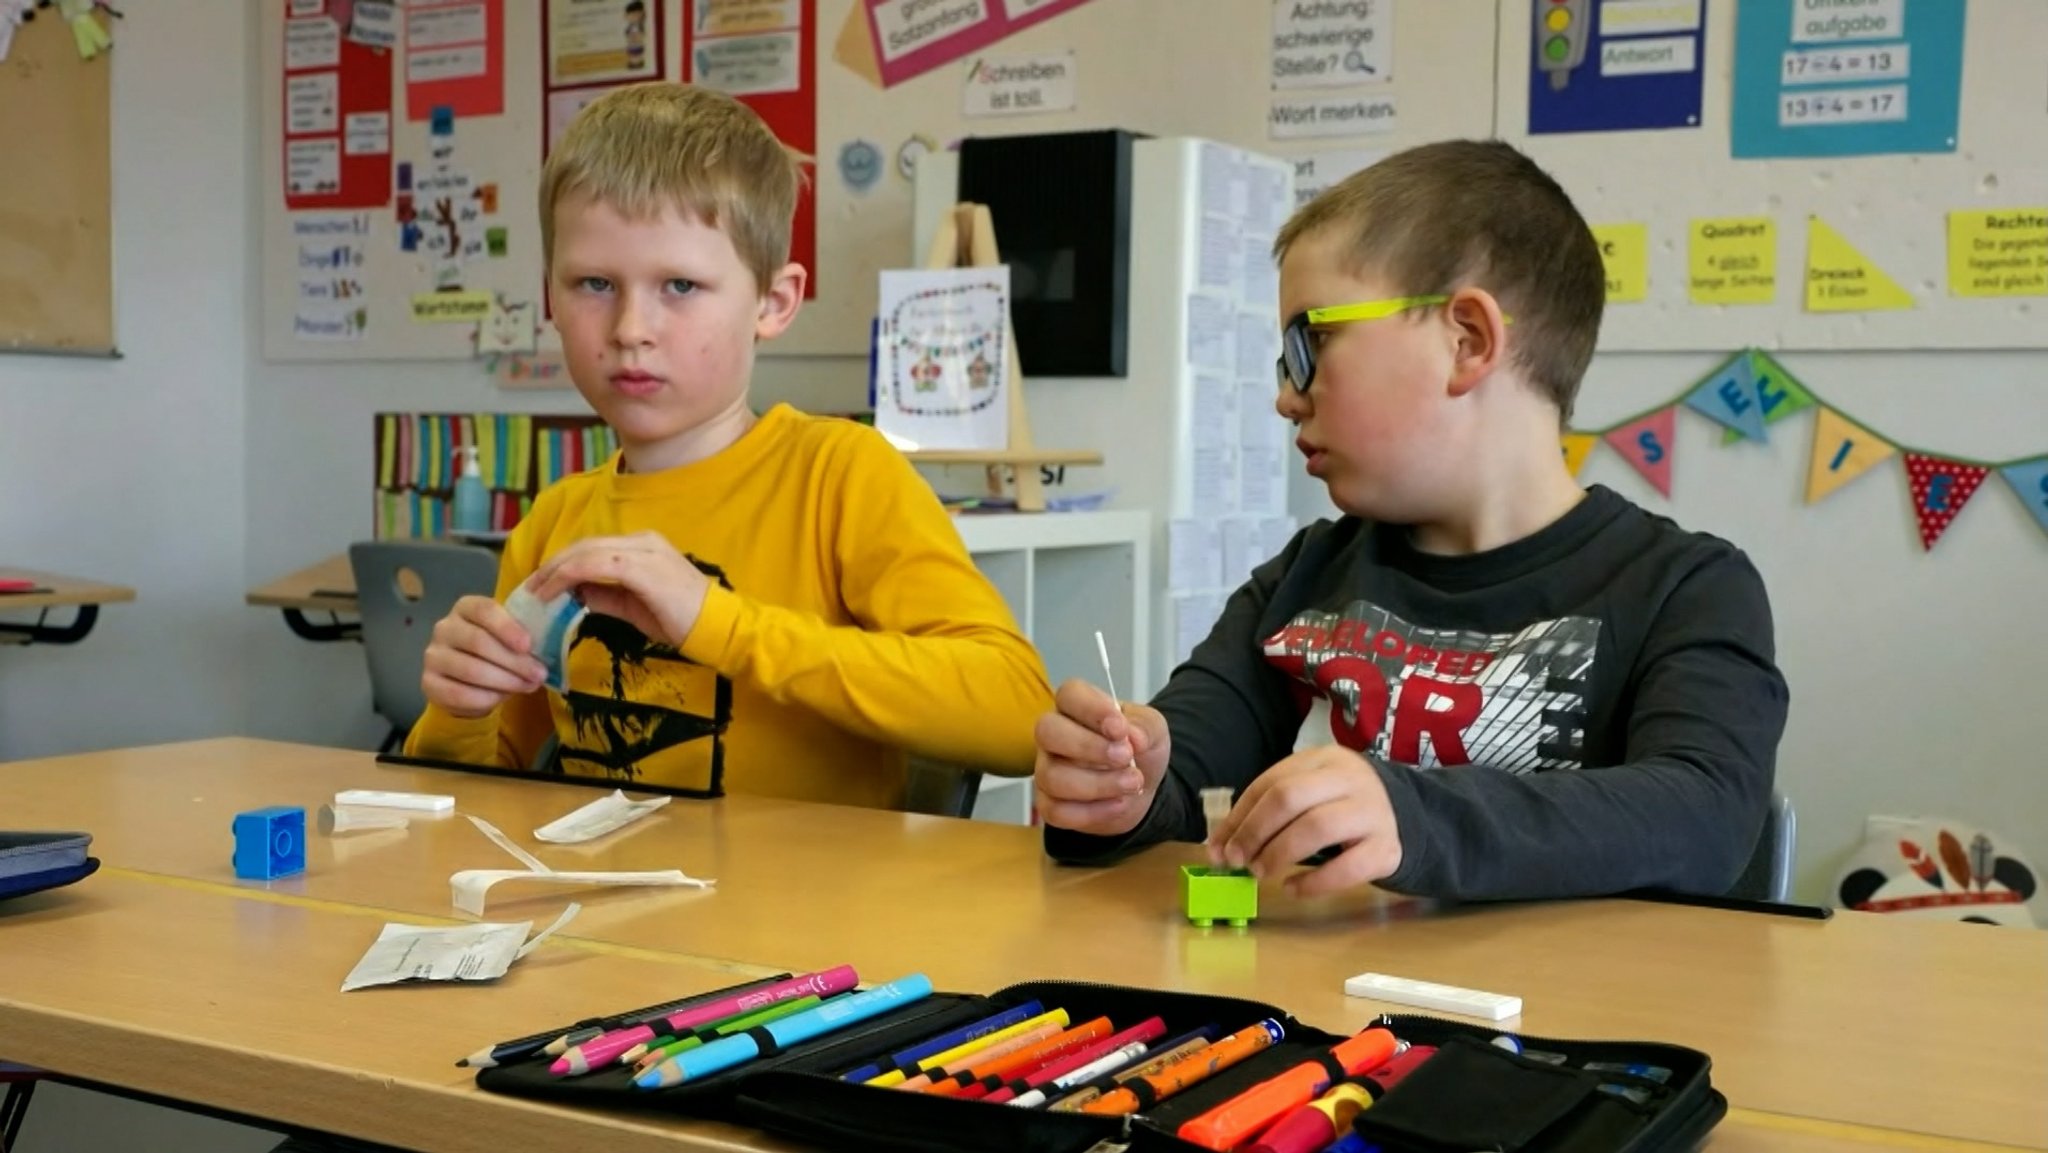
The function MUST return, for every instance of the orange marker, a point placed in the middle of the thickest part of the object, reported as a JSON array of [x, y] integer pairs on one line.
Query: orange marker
[[1144, 1092], [1015, 1043], [1228, 1125], [1029, 1057]]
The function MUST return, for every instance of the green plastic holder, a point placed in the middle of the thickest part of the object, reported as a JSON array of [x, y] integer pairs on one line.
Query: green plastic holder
[[1212, 895]]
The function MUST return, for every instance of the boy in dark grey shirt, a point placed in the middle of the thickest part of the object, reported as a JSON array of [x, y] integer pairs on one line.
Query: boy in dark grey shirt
[[1419, 683]]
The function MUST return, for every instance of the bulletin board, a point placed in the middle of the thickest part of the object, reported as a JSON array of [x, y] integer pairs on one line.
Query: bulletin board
[[1891, 211], [56, 208], [875, 103]]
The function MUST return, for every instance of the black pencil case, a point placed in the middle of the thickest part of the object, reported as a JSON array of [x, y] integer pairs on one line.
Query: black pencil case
[[799, 1092]]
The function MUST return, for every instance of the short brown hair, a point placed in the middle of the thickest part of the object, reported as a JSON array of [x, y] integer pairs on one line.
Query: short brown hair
[[1468, 212], [647, 147]]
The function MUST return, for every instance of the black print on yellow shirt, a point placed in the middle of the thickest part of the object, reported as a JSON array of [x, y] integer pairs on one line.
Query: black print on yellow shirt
[[612, 732]]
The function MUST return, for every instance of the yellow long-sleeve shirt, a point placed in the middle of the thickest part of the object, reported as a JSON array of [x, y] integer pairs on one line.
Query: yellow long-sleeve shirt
[[845, 614]]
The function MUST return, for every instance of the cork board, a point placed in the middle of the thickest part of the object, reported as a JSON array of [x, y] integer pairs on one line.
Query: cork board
[[56, 210]]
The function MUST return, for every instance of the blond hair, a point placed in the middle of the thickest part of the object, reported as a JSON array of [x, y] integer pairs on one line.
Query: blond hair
[[1463, 212], [648, 147]]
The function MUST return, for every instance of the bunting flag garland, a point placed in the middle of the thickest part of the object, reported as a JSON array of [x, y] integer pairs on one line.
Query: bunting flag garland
[[1729, 397], [1842, 451], [1577, 447], [1750, 391], [1940, 490], [1778, 392], [1646, 444], [2029, 479]]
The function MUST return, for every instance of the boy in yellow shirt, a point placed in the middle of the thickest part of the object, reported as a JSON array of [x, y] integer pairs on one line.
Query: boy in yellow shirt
[[791, 572]]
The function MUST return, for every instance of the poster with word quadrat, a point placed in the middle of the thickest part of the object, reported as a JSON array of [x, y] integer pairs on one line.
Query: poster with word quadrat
[[419, 455]]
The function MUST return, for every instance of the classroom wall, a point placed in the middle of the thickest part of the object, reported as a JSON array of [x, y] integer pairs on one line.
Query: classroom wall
[[131, 470], [1909, 670]]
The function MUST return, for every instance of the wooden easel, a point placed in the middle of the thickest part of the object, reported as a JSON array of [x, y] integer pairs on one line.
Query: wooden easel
[[967, 239]]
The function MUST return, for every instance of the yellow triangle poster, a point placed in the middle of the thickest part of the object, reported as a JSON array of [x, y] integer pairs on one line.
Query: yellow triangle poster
[[1842, 451], [1841, 279], [1577, 447]]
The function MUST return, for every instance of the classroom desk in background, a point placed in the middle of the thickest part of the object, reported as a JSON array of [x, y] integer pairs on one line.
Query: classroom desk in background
[[1855, 1033], [328, 587], [53, 590]]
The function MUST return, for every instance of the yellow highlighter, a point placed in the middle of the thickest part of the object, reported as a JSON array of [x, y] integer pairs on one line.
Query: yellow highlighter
[[895, 1076]]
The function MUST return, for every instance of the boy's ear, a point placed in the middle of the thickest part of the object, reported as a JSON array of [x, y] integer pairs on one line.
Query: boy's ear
[[780, 299], [1480, 331]]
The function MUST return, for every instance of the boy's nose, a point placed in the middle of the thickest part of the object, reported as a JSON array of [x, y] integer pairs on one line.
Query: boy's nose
[[1291, 403]]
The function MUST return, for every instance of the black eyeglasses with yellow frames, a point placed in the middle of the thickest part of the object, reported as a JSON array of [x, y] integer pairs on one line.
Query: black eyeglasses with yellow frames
[[1297, 363]]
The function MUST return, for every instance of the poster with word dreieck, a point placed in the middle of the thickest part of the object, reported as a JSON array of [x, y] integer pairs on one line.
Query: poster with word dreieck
[[941, 371]]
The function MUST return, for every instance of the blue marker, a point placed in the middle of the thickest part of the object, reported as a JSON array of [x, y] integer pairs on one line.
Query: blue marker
[[825, 1018], [960, 1036]]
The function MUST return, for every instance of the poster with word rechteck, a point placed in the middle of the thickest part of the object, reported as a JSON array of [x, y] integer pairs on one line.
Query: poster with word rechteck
[[1846, 77], [1615, 65]]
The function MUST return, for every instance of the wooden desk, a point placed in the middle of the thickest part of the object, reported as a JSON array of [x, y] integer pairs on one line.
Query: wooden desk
[[328, 587], [1862, 1021], [58, 592]]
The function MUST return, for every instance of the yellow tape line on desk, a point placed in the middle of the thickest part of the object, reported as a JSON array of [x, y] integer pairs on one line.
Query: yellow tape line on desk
[[347, 908]]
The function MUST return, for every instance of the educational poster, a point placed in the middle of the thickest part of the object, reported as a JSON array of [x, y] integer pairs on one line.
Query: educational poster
[[1846, 77], [586, 42], [337, 117], [1332, 45], [454, 57], [764, 53], [886, 42], [331, 250], [941, 366], [1616, 65], [447, 218]]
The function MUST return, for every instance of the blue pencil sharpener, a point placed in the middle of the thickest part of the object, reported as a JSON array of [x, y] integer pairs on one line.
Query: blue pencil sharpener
[[270, 843]]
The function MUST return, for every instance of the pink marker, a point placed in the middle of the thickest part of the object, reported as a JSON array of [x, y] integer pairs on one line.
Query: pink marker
[[601, 1051]]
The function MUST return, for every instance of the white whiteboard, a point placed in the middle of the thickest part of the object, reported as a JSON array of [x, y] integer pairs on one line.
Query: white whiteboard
[[1157, 67], [1894, 209]]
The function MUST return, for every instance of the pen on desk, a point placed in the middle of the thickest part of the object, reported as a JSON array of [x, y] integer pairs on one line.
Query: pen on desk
[[896, 1062], [652, 1054], [601, 1051], [816, 1021], [554, 1042], [1738, 904]]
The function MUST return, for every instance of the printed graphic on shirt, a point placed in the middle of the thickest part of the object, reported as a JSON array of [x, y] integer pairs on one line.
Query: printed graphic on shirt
[[639, 700], [1430, 697]]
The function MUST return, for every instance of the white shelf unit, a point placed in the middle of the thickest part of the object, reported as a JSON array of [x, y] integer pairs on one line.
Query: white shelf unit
[[1065, 575]]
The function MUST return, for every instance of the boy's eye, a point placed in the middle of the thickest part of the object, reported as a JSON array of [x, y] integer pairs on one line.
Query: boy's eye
[[593, 284], [1317, 337], [682, 287]]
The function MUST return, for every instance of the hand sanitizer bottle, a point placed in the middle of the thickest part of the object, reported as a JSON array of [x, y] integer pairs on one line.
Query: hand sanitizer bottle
[[472, 512]]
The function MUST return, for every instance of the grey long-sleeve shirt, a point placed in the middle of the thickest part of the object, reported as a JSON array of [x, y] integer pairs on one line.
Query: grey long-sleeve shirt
[[1591, 709]]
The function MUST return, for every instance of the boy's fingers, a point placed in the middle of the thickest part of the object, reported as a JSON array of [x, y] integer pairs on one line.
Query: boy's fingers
[[1262, 813], [489, 618], [1088, 816], [475, 672], [1361, 864], [1064, 780], [1059, 735], [1093, 708]]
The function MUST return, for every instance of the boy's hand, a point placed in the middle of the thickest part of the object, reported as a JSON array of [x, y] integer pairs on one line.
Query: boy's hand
[[1306, 803], [478, 657], [640, 579], [1084, 778]]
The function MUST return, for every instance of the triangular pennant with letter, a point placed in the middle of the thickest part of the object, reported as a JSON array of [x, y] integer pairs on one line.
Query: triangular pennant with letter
[[1648, 444], [1842, 451], [1940, 490], [2029, 479], [1841, 279], [1778, 391], [1728, 397], [1577, 447]]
